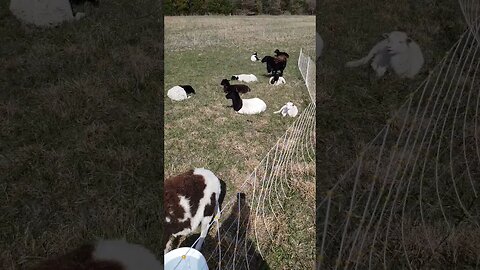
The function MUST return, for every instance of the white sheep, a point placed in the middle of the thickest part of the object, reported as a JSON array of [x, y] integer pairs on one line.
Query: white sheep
[[180, 92], [246, 106], [288, 109], [104, 255], [254, 57], [197, 189], [244, 78], [398, 52]]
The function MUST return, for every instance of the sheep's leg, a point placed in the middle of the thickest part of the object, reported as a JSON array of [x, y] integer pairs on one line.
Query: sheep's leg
[[380, 71], [168, 246], [377, 48], [203, 234]]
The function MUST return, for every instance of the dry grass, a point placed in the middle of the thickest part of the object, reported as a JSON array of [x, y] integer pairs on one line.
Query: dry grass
[[80, 142], [202, 131]]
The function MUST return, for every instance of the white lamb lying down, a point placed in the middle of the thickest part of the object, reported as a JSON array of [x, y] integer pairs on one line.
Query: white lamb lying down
[[277, 80], [104, 255], [180, 92], [254, 57], [398, 52], [246, 106], [288, 109], [244, 78]]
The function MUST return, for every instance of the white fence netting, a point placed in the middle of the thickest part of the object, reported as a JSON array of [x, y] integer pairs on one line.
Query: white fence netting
[[410, 201]]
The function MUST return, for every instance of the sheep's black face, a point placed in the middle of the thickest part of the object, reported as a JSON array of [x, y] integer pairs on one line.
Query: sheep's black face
[[234, 78], [188, 89], [277, 51], [224, 82], [265, 59]]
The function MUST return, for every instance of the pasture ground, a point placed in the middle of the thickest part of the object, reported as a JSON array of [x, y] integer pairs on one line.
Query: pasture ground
[[353, 106], [80, 137], [203, 132]]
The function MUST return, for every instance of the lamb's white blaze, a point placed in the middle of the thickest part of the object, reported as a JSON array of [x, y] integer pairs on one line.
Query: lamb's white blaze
[[185, 204], [212, 187]]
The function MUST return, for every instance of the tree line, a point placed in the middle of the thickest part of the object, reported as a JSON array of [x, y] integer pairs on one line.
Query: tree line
[[238, 7]]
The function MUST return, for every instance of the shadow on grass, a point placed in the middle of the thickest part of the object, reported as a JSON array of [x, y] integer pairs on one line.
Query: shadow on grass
[[237, 250]]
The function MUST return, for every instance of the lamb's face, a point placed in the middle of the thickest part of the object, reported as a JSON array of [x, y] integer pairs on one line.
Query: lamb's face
[[397, 42], [289, 105], [224, 82]]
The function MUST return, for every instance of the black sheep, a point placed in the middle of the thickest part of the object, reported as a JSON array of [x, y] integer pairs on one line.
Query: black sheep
[[239, 88], [278, 53], [275, 64]]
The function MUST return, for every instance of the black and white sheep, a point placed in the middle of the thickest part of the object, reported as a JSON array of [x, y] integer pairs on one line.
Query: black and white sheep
[[103, 255], [180, 92], [277, 80], [239, 88], [246, 106], [244, 78], [254, 57], [191, 199]]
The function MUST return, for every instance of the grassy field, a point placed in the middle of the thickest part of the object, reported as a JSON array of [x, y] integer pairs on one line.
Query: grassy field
[[353, 106], [202, 131], [80, 131]]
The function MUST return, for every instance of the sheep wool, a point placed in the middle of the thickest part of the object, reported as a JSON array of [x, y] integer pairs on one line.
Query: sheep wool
[[288, 109], [278, 81], [246, 106], [245, 78], [254, 57], [178, 93]]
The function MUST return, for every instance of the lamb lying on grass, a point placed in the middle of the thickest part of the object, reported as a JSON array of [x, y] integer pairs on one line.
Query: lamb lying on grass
[[239, 88], [398, 52], [244, 78], [103, 255], [288, 109], [254, 57], [191, 199], [276, 80], [246, 106], [180, 92]]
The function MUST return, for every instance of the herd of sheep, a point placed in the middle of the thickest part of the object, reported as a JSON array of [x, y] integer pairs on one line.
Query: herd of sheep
[[275, 66], [192, 199]]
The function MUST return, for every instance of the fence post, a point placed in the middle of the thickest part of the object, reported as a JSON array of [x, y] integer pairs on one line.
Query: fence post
[[306, 75]]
